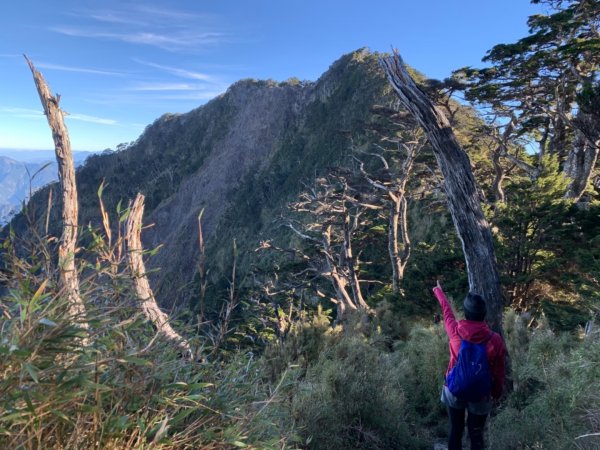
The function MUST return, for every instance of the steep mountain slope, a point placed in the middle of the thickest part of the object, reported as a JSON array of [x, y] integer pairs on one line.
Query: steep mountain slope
[[240, 157]]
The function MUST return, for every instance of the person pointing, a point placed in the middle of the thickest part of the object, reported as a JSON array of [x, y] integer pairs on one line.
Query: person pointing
[[476, 372]]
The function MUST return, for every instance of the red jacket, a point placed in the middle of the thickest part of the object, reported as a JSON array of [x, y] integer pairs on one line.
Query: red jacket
[[475, 332]]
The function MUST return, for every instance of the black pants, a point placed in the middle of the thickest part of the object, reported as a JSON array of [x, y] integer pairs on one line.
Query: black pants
[[475, 425]]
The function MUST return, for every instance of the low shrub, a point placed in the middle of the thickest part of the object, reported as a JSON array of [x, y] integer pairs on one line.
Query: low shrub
[[352, 398], [555, 402]]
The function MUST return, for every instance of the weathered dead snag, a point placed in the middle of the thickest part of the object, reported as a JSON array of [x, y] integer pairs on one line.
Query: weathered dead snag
[[397, 205], [140, 282], [459, 183], [66, 174]]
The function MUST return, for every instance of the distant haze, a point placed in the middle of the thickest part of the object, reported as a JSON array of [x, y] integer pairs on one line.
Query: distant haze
[[22, 171], [39, 156]]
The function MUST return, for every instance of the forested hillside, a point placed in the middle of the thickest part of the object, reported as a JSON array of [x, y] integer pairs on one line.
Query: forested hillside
[[297, 230]]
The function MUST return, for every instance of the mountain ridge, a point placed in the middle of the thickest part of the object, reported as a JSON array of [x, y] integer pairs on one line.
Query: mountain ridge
[[240, 157]]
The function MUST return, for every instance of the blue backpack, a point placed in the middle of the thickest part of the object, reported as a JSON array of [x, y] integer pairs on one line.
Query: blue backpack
[[470, 379]]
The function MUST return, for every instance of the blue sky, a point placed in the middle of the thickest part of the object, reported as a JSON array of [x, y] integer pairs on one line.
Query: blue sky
[[120, 64]]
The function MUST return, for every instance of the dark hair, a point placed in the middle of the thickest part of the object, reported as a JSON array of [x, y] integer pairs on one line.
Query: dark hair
[[474, 307]]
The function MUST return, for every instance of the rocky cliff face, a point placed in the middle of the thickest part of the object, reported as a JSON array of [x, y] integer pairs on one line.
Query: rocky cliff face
[[240, 157]]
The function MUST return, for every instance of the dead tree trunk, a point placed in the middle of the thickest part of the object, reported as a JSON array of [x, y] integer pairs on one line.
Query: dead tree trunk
[[140, 282], [350, 225], [344, 302], [66, 174], [398, 211], [459, 183]]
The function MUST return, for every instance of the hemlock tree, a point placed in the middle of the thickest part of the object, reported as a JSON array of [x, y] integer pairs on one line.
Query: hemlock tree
[[543, 83]]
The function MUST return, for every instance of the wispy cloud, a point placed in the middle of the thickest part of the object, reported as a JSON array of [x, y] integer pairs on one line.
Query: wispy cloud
[[29, 113], [154, 12], [91, 119], [165, 87], [22, 113], [172, 42], [198, 95], [202, 87], [167, 29], [115, 18], [50, 66], [143, 15], [183, 73]]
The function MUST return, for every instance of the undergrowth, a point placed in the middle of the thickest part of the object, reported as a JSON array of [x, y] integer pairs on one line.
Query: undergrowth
[[372, 384]]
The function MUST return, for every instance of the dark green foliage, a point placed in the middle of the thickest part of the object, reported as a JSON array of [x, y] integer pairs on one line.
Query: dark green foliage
[[352, 398], [544, 240], [555, 398], [423, 359]]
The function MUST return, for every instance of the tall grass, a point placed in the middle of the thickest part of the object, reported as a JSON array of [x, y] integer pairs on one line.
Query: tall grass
[[128, 389]]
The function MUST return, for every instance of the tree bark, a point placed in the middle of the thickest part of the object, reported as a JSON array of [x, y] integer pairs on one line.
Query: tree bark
[[339, 281], [393, 221], [140, 282], [66, 174], [351, 262], [579, 166], [499, 176], [407, 246], [459, 183], [501, 150]]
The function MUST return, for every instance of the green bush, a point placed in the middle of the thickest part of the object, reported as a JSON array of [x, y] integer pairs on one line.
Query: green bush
[[556, 379], [423, 360], [306, 339], [352, 398]]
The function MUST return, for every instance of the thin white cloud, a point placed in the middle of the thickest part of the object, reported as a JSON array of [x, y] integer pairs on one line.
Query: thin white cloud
[[165, 87], [91, 119], [172, 42], [115, 18], [22, 113], [50, 66], [198, 95], [169, 13], [29, 113], [16, 110], [168, 29], [145, 16], [183, 73]]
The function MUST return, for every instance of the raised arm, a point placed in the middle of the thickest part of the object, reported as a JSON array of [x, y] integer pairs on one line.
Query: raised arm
[[449, 320]]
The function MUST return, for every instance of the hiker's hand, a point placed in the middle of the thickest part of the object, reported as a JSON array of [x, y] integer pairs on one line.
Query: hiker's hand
[[439, 285]]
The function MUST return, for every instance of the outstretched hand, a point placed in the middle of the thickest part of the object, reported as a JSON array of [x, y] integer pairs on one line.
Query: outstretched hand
[[438, 285]]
